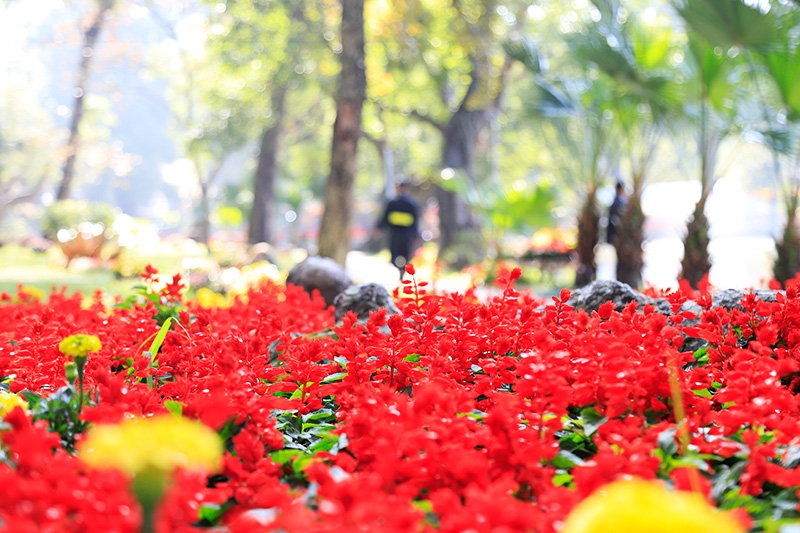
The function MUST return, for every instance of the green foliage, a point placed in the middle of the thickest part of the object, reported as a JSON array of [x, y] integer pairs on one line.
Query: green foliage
[[787, 258], [156, 345], [784, 67], [167, 309], [465, 251], [305, 436], [728, 23], [518, 208], [228, 216], [70, 214], [61, 410]]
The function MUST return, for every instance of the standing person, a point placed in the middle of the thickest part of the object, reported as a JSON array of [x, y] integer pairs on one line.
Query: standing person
[[400, 217], [615, 213]]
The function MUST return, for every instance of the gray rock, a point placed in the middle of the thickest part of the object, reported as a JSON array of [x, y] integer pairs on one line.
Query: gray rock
[[730, 298], [595, 294], [592, 296], [363, 299], [691, 344], [322, 274]]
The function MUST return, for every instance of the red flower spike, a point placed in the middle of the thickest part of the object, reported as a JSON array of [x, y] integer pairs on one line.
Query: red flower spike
[[149, 274], [454, 406], [605, 310]]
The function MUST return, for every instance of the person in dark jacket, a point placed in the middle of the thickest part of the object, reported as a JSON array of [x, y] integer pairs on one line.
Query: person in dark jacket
[[400, 218], [615, 213]]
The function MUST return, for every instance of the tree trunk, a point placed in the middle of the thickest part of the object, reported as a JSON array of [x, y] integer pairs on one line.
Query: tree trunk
[[460, 137], [204, 224], [787, 262], [630, 236], [90, 37], [696, 263], [334, 232], [260, 223], [588, 237]]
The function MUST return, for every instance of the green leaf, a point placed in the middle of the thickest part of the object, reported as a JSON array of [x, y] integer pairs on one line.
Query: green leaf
[[174, 407], [693, 461], [666, 442], [32, 398], [333, 378], [320, 415], [326, 443], [210, 513], [791, 458], [284, 456], [301, 461], [526, 52], [412, 358], [559, 480], [784, 67], [156, 345], [564, 460], [727, 478], [701, 354], [591, 419], [729, 22], [426, 506]]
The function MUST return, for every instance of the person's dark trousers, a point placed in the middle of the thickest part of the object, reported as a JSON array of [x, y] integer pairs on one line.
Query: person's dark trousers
[[400, 248]]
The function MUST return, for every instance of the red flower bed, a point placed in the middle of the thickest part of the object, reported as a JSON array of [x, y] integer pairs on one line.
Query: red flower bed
[[454, 415]]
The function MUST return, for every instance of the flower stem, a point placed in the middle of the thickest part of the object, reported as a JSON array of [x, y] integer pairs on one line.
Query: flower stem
[[148, 487], [80, 362]]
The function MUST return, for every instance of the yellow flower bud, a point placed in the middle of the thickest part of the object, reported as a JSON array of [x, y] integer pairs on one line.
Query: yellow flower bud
[[146, 445], [79, 345], [9, 400], [638, 506], [34, 292], [209, 299]]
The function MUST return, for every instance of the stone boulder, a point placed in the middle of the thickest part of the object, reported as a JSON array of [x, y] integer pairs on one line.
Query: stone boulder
[[595, 294], [362, 300], [730, 298], [322, 274]]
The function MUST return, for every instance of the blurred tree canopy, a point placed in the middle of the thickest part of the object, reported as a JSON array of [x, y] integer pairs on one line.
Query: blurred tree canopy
[[486, 103]]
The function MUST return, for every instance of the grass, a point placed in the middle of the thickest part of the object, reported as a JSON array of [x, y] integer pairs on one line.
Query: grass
[[48, 270]]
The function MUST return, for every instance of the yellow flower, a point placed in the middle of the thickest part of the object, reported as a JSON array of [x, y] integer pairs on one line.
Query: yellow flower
[[209, 299], [79, 345], [8, 401], [34, 292], [638, 506], [142, 445]]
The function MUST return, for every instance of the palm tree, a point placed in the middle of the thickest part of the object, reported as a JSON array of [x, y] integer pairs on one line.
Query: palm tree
[[635, 59], [781, 58], [570, 113], [783, 66], [714, 116], [769, 40]]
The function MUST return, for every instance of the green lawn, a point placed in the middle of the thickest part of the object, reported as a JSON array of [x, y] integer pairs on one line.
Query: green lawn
[[47, 270]]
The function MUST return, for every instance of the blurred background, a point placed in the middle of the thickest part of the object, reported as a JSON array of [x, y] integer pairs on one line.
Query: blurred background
[[198, 136]]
